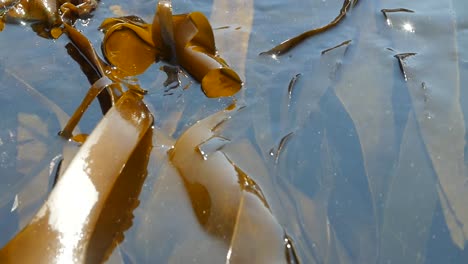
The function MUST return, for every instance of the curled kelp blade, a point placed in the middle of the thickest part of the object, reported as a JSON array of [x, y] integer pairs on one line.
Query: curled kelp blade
[[164, 48], [71, 10], [109, 22], [163, 17], [227, 203], [132, 45], [86, 49], [93, 92], [62, 229], [196, 52], [128, 45], [99, 74]]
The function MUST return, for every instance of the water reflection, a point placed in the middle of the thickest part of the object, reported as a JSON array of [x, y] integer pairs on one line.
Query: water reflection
[[408, 27]]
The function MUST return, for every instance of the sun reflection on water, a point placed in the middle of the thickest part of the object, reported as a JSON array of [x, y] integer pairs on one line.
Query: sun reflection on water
[[408, 27]]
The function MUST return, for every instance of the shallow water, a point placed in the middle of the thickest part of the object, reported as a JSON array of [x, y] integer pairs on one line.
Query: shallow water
[[374, 172]]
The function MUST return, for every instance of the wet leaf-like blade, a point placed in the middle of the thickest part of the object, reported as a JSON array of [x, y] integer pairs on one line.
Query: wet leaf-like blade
[[68, 218], [370, 104], [196, 52], [124, 48], [434, 85], [225, 194], [240, 25], [407, 214]]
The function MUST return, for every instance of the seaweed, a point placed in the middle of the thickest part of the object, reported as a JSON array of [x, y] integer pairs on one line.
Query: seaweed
[[394, 10], [346, 42], [292, 84], [284, 140], [226, 201], [46, 16], [185, 39], [401, 58], [94, 195], [289, 44]]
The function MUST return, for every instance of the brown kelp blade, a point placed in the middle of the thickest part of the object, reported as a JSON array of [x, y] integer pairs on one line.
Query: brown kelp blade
[[226, 201], [92, 93], [97, 72], [101, 68], [164, 18], [117, 214], [46, 16], [128, 44], [132, 45], [196, 53], [287, 45], [86, 48], [61, 230], [44, 11]]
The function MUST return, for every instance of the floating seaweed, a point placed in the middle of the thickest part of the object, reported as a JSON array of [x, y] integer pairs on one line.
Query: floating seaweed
[[287, 45], [346, 42], [129, 48], [46, 16], [187, 39], [385, 11], [127, 44], [276, 152], [227, 202], [401, 58], [65, 227], [292, 84]]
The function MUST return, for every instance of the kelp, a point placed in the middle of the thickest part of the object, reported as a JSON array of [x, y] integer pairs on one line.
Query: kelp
[[369, 105], [186, 39], [287, 45], [386, 11], [106, 82], [401, 61], [291, 85], [128, 45], [93, 67], [92, 233], [164, 22], [344, 43], [227, 203], [240, 19], [47, 15], [408, 213], [67, 222], [284, 140], [196, 52], [384, 132], [316, 112], [435, 91]]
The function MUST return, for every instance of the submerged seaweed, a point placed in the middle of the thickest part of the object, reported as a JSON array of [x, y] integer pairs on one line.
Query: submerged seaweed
[[368, 142]]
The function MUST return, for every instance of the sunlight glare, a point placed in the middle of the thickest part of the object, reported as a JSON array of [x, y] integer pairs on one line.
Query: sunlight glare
[[408, 27]]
